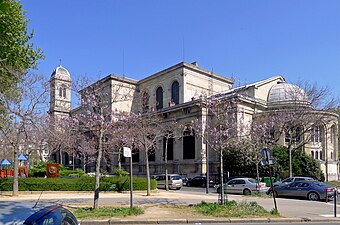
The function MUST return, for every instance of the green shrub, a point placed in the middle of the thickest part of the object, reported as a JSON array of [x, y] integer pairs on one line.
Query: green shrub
[[120, 172], [76, 184]]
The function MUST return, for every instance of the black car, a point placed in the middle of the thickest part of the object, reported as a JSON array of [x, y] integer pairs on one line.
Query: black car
[[199, 181]]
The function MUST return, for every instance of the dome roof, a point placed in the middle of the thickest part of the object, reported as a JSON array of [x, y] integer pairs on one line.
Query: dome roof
[[284, 93], [61, 73]]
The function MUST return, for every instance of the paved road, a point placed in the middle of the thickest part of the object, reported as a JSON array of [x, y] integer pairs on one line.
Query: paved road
[[286, 207]]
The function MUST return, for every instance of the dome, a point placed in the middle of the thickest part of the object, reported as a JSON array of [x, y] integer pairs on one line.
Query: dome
[[61, 73], [284, 93]]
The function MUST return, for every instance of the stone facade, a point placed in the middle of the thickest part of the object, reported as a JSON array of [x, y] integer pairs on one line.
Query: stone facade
[[175, 92]]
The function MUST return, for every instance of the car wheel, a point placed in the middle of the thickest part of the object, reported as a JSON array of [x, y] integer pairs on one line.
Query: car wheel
[[313, 196], [188, 184], [203, 185], [246, 192]]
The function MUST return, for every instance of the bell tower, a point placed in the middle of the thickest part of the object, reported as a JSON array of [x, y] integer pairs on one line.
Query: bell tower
[[60, 93]]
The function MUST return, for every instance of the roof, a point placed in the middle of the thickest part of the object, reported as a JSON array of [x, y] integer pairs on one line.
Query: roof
[[61, 73]]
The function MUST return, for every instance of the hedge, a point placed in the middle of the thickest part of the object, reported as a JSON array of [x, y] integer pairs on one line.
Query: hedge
[[76, 184]]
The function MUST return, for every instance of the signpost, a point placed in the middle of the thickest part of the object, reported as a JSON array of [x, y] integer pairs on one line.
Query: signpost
[[268, 159], [127, 154]]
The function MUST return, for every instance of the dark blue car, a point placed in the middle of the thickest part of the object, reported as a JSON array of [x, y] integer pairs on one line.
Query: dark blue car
[[312, 190]]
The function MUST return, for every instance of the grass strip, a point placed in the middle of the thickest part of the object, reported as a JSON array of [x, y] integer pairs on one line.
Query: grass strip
[[106, 212], [234, 209]]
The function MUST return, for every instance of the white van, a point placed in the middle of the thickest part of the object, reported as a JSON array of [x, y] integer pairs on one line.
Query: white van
[[174, 181]]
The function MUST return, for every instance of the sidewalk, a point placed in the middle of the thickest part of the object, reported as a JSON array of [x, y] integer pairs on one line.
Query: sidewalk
[[157, 210]]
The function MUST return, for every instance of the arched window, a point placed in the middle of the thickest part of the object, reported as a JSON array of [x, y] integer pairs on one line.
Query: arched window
[[316, 155], [333, 134], [331, 155], [316, 134], [188, 143], [135, 155], [159, 98], [320, 155], [145, 102], [64, 92], [312, 154], [170, 148], [175, 92]]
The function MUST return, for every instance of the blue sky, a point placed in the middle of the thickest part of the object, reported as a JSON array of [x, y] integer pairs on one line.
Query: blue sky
[[248, 39]]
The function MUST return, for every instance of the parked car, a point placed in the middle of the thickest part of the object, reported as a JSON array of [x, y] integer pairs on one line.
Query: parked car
[[174, 181], [243, 185], [310, 189], [199, 181], [28, 215], [289, 180]]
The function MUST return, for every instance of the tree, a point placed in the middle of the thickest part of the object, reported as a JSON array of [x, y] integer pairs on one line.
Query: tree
[[302, 164], [144, 131], [221, 129], [94, 123], [24, 115], [17, 53], [292, 123]]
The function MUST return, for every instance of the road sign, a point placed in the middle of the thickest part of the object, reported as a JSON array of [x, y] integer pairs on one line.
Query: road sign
[[126, 152], [267, 156]]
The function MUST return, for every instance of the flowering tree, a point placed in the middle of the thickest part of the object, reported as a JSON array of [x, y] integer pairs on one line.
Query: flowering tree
[[222, 127], [93, 125], [24, 113], [144, 130]]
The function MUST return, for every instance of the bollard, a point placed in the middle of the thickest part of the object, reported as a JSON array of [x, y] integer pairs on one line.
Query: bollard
[[335, 197]]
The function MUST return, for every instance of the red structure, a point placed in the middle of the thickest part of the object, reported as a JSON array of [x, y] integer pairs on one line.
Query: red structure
[[52, 170]]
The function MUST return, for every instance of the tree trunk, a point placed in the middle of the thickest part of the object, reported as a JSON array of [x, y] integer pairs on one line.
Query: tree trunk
[[166, 165], [15, 178], [98, 162], [148, 191], [221, 177]]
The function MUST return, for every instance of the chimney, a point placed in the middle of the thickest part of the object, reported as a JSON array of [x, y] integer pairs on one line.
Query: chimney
[[195, 63]]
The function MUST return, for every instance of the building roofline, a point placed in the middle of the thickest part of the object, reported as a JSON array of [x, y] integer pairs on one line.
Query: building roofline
[[191, 66], [111, 77]]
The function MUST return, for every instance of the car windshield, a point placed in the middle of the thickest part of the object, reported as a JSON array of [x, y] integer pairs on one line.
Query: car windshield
[[251, 180], [176, 177], [289, 179]]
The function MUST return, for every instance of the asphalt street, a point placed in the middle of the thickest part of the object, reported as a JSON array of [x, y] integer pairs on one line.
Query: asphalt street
[[289, 208]]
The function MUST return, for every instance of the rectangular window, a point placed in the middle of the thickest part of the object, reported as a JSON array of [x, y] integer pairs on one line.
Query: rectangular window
[[316, 134]]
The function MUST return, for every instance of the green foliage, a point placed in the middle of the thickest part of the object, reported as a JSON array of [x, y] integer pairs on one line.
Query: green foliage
[[39, 170], [107, 212], [232, 209], [275, 212], [17, 53], [120, 172], [76, 184], [302, 164], [63, 172], [240, 162]]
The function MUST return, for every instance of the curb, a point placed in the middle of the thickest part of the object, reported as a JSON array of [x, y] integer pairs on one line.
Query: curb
[[205, 220]]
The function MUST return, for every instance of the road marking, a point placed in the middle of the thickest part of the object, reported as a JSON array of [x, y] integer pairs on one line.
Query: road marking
[[327, 215]]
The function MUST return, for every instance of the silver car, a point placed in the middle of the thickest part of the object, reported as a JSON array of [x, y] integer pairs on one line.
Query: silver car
[[174, 181], [244, 186]]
